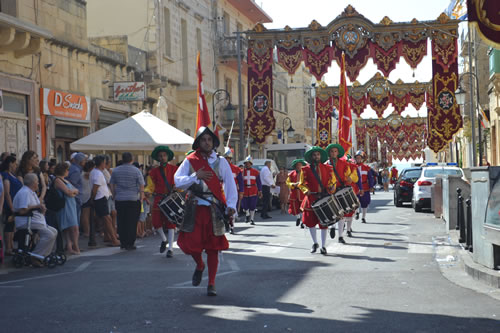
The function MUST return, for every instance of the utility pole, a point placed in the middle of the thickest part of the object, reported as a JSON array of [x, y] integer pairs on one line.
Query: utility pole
[[471, 111], [240, 98]]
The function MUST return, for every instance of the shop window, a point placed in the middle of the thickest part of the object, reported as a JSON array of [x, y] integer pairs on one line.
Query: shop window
[[70, 132], [15, 103]]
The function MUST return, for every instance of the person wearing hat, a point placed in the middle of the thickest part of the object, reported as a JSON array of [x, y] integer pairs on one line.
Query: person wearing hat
[[314, 190], [345, 177], [210, 184], [367, 183], [238, 179], [296, 195], [160, 183], [253, 189]]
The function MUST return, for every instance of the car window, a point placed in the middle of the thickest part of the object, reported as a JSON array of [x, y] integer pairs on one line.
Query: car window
[[412, 173], [433, 172]]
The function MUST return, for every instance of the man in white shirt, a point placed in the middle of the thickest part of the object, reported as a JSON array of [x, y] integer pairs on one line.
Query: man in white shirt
[[99, 196], [202, 172], [26, 202], [267, 180]]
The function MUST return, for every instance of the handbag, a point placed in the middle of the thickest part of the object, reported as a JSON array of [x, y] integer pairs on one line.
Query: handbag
[[53, 200]]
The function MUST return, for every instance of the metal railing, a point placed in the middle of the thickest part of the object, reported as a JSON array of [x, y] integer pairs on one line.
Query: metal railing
[[227, 47], [464, 221]]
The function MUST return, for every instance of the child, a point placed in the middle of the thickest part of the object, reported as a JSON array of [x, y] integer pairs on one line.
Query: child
[[141, 226]]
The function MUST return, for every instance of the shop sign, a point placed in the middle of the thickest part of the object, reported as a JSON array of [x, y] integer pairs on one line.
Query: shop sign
[[66, 105], [129, 91]]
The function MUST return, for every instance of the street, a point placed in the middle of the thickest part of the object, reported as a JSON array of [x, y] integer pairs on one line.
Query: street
[[387, 278]]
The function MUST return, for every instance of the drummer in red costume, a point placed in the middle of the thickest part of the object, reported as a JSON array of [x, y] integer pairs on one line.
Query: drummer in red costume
[[296, 195], [356, 185], [315, 190], [367, 183], [159, 184], [211, 191], [345, 177], [238, 179]]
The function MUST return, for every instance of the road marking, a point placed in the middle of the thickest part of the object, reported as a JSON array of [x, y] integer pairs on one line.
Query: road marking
[[345, 248], [102, 252], [234, 266], [184, 284], [83, 266], [80, 268]]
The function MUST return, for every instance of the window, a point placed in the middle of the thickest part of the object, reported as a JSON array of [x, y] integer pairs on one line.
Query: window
[[15, 103], [412, 174], [167, 40], [433, 172], [185, 62], [227, 27], [198, 39], [8, 7]]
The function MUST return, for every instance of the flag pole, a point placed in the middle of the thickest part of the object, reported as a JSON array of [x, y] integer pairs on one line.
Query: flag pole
[[230, 132]]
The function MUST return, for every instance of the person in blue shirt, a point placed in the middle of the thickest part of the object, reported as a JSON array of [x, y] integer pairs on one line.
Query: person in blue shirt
[[11, 185], [75, 178]]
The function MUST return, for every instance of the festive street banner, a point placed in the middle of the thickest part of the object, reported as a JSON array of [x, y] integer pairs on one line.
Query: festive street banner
[[290, 58], [354, 62], [485, 15], [345, 116], [260, 120], [400, 97], [444, 119], [358, 102], [385, 60], [324, 108], [373, 144], [379, 97], [414, 52], [361, 138], [318, 56]]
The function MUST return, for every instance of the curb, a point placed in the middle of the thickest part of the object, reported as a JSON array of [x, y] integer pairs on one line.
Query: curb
[[478, 272]]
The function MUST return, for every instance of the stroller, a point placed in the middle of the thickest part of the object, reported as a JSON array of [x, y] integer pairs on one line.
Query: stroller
[[26, 244]]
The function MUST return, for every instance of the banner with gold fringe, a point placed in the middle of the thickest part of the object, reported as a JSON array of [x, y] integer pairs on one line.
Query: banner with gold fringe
[[324, 108]]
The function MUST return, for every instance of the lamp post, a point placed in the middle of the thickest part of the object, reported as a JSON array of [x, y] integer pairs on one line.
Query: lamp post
[[290, 131], [228, 107], [460, 97]]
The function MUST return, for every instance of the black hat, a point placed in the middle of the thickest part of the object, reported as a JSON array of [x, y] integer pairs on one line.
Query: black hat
[[201, 131]]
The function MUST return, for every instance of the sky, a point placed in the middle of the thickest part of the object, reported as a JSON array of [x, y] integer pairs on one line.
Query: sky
[[300, 13]]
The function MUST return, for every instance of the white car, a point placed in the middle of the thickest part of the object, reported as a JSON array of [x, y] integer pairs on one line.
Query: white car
[[423, 186]]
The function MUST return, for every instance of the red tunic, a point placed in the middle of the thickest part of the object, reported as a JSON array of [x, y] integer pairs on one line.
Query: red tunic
[[363, 171], [296, 195], [325, 173], [394, 175], [158, 219], [250, 177]]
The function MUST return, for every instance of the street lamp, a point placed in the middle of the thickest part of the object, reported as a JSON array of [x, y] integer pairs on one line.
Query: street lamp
[[460, 98], [227, 97], [290, 131]]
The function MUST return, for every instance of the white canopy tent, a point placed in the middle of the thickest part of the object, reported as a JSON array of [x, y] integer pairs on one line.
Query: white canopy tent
[[139, 133]]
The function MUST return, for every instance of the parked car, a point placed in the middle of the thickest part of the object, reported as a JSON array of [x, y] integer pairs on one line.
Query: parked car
[[422, 188], [403, 188]]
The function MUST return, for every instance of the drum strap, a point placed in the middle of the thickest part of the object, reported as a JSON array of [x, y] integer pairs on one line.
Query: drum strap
[[315, 173], [167, 184], [338, 177]]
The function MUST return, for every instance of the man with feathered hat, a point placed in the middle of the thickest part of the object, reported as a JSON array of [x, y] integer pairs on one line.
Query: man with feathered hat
[[211, 195], [160, 183], [317, 180], [296, 195], [253, 189]]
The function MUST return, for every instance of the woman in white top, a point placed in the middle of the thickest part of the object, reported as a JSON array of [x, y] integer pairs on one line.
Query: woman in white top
[[85, 196]]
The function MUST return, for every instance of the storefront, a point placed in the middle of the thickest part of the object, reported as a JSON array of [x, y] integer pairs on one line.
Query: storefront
[[18, 122], [65, 117]]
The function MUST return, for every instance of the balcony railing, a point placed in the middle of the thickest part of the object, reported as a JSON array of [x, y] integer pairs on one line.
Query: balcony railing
[[228, 47]]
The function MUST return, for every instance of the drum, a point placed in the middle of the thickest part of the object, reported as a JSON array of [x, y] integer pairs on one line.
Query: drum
[[347, 199], [328, 210], [172, 207]]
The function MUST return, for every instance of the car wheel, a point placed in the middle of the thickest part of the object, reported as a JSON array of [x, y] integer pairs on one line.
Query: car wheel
[[417, 208], [397, 203]]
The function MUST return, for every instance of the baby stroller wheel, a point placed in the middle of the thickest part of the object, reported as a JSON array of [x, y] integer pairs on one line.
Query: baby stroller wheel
[[50, 261], [61, 258], [18, 260]]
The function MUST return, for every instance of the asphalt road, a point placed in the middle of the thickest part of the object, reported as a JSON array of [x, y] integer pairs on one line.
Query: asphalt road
[[388, 278]]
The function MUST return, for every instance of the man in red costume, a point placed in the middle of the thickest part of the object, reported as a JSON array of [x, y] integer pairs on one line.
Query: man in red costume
[[211, 194], [238, 179], [315, 190], [345, 177], [394, 176], [296, 195], [160, 183], [367, 183], [253, 189]]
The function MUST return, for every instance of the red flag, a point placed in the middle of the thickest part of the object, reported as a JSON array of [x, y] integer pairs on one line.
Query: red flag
[[345, 116], [202, 115]]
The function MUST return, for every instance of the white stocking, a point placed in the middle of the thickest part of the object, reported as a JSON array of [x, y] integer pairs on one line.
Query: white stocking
[[162, 234], [341, 227], [170, 238], [247, 212], [349, 223], [323, 237], [364, 211], [312, 231], [252, 214]]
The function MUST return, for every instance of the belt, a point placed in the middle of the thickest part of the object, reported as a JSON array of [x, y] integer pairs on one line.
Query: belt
[[250, 185]]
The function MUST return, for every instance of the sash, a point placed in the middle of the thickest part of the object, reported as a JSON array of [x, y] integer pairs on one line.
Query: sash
[[214, 185], [336, 173]]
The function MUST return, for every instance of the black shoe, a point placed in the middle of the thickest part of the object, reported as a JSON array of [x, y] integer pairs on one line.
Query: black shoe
[[314, 248], [349, 233], [332, 233], [211, 291], [122, 247], [163, 246], [131, 247], [297, 223], [357, 216], [170, 254], [247, 219], [341, 240], [302, 226], [363, 221], [252, 222], [197, 277], [231, 231], [323, 251]]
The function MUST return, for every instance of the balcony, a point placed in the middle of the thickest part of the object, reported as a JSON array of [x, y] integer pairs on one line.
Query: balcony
[[227, 47]]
